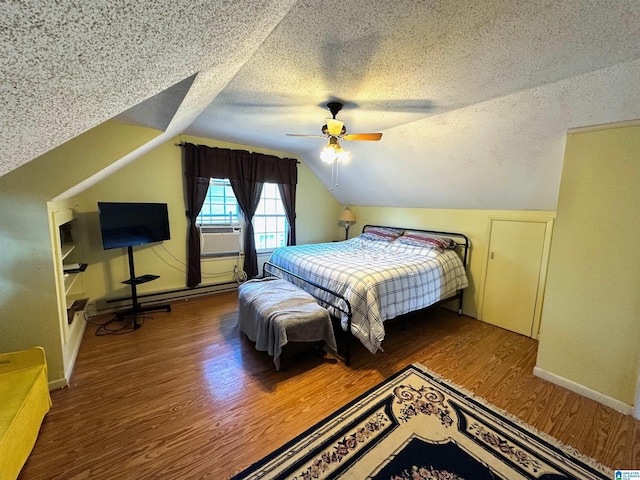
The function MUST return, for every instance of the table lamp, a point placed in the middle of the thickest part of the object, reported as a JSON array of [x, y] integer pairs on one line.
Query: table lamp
[[347, 218]]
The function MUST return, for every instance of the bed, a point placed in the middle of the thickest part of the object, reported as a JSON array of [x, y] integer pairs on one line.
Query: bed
[[379, 275]]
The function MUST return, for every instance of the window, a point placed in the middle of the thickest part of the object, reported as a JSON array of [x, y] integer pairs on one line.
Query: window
[[270, 226], [220, 206], [270, 221]]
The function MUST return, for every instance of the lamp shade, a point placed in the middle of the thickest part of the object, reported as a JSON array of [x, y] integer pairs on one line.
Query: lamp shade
[[347, 216]]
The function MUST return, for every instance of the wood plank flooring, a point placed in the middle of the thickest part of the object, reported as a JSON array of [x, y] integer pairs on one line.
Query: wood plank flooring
[[186, 396]]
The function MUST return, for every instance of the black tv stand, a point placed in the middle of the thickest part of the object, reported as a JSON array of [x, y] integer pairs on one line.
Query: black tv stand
[[133, 282]]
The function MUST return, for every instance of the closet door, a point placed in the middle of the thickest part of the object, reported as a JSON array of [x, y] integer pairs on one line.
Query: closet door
[[513, 274]]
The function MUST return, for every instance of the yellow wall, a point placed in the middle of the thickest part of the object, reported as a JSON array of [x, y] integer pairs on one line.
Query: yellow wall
[[317, 213], [27, 285], [473, 223], [590, 330], [27, 282], [158, 177]]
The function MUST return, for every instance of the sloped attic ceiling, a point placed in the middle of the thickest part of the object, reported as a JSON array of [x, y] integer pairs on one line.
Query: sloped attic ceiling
[[473, 98]]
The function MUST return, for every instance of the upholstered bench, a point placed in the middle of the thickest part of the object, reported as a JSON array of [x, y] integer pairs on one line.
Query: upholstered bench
[[273, 312], [24, 401]]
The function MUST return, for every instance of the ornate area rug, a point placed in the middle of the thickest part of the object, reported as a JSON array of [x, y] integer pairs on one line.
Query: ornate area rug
[[416, 426]]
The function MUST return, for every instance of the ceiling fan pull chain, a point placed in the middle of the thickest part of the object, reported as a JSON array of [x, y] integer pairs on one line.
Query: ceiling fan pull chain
[[334, 173]]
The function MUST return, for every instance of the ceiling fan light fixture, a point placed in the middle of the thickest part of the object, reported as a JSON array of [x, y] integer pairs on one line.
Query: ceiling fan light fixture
[[343, 156], [334, 155], [333, 129], [328, 154], [333, 152]]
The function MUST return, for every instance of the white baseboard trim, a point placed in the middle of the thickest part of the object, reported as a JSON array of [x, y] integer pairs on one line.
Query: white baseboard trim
[[74, 356], [64, 382], [584, 391]]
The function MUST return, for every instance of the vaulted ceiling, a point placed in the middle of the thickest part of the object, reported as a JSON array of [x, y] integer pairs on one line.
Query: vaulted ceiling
[[473, 98]]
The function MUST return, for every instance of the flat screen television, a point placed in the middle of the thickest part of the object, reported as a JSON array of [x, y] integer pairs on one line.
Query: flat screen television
[[125, 224]]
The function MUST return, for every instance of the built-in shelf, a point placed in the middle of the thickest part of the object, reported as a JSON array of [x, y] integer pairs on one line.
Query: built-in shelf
[[69, 280], [74, 268], [73, 297], [66, 249], [77, 307], [67, 242]]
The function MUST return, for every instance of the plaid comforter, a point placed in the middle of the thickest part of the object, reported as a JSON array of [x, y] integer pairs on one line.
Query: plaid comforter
[[380, 280]]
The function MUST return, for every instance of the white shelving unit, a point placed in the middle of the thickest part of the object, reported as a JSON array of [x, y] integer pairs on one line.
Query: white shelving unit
[[72, 298]]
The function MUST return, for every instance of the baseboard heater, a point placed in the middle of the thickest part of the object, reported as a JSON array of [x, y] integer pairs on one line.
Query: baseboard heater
[[112, 304]]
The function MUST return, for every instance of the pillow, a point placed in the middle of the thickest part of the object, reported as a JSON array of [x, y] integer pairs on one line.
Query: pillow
[[426, 240], [381, 234]]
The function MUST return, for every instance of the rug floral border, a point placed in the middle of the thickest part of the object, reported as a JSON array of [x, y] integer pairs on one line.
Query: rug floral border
[[469, 437]]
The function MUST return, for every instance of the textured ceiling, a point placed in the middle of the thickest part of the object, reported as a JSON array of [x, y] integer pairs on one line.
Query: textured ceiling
[[68, 66], [452, 84], [158, 111], [395, 62]]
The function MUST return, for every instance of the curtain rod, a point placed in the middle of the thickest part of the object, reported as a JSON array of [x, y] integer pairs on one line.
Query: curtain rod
[[182, 144]]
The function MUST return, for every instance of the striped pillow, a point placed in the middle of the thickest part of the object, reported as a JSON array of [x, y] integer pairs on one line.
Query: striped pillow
[[418, 239], [381, 234]]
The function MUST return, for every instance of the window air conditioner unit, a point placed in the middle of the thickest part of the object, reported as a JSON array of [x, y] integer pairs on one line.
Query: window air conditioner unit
[[220, 240]]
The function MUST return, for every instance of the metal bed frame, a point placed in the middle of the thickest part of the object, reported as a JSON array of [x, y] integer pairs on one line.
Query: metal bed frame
[[270, 269]]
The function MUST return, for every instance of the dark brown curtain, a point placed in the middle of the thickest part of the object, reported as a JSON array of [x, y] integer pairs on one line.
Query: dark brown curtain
[[247, 173], [248, 194], [288, 195], [197, 188]]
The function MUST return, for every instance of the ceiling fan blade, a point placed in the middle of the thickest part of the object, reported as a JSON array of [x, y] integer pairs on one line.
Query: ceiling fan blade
[[334, 127], [303, 135], [362, 136]]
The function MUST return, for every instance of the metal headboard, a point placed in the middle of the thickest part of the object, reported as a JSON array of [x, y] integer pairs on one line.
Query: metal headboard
[[465, 244]]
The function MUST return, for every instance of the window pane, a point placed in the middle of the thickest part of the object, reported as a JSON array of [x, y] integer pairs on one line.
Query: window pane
[[268, 190], [270, 223], [220, 205]]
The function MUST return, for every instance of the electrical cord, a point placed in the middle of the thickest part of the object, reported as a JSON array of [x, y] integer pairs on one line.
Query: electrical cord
[[117, 326], [238, 274]]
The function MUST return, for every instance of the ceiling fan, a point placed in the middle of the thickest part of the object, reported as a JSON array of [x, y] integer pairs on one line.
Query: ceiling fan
[[336, 129]]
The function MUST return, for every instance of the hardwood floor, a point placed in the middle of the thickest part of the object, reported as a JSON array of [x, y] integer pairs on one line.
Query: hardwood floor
[[186, 396]]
